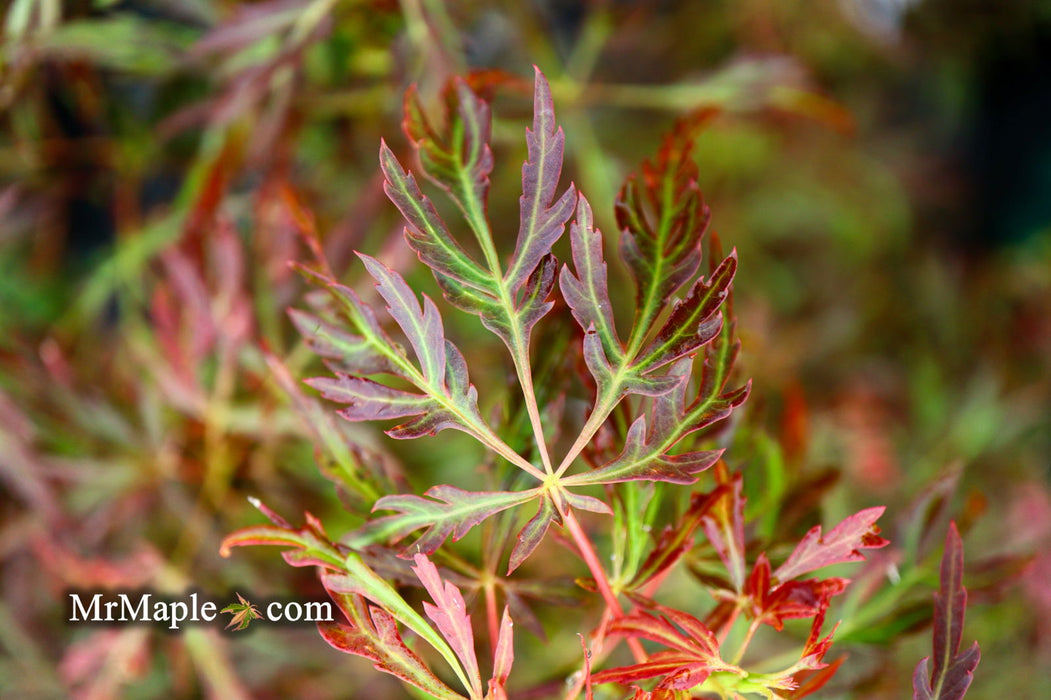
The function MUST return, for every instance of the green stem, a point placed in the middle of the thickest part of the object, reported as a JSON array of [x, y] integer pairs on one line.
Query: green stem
[[519, 350]]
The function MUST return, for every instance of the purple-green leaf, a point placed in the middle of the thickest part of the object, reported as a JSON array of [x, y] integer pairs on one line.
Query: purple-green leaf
[[369, 400], [587, 291], [647, 452], [422, 325], [532, 533], [427, 234], [352, 353], [459, 159], [694, 321], [662, 218], [445, 511], [542, 219], [952, 670]]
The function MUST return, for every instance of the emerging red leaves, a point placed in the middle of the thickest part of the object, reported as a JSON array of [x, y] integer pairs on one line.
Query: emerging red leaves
[[690, 655], [951, 672], [773, 603]]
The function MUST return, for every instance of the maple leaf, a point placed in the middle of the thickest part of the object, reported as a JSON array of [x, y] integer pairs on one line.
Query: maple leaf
[[503, 658], [691, 651], [449, 613], [243, 613], [773, 603], [371, 632], [509, 301], [724, 525], [445, 511], [446, 398], [654, 362], [843, 543], [951, 672], [309, 545]]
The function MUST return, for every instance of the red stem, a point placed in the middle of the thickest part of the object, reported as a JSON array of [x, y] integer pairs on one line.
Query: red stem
[[587, 551], [490, 615]]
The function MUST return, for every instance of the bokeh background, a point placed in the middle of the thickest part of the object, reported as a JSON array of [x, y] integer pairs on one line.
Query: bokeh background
[[882, 166]]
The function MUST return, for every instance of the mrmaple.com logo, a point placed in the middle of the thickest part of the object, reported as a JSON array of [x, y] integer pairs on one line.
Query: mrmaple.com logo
[[145, 607]]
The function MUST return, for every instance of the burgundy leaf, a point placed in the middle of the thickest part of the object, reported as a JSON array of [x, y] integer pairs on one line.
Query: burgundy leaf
[[952, 670]]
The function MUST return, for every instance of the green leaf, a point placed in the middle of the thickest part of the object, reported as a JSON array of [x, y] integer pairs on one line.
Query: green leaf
[[123, 42]]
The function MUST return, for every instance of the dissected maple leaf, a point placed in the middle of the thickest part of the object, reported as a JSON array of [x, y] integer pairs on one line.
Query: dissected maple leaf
[[773, 603], [843, 543], [449, 613], [372, 632], [691, 651]]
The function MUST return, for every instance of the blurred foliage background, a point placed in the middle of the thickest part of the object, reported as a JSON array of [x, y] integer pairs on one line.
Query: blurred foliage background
[[882, 166]]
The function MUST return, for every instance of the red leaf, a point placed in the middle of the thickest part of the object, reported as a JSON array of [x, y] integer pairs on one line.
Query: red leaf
[[724, 525], [503, 659], [842, 544], [373, 634], [449, 613], [692, 654], [776, 602]]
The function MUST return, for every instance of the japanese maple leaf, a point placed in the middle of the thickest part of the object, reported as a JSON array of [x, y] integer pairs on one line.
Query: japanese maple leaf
[[243, 613]]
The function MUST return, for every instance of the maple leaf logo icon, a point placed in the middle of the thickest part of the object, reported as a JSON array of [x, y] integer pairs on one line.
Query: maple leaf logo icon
[[243, 613]]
